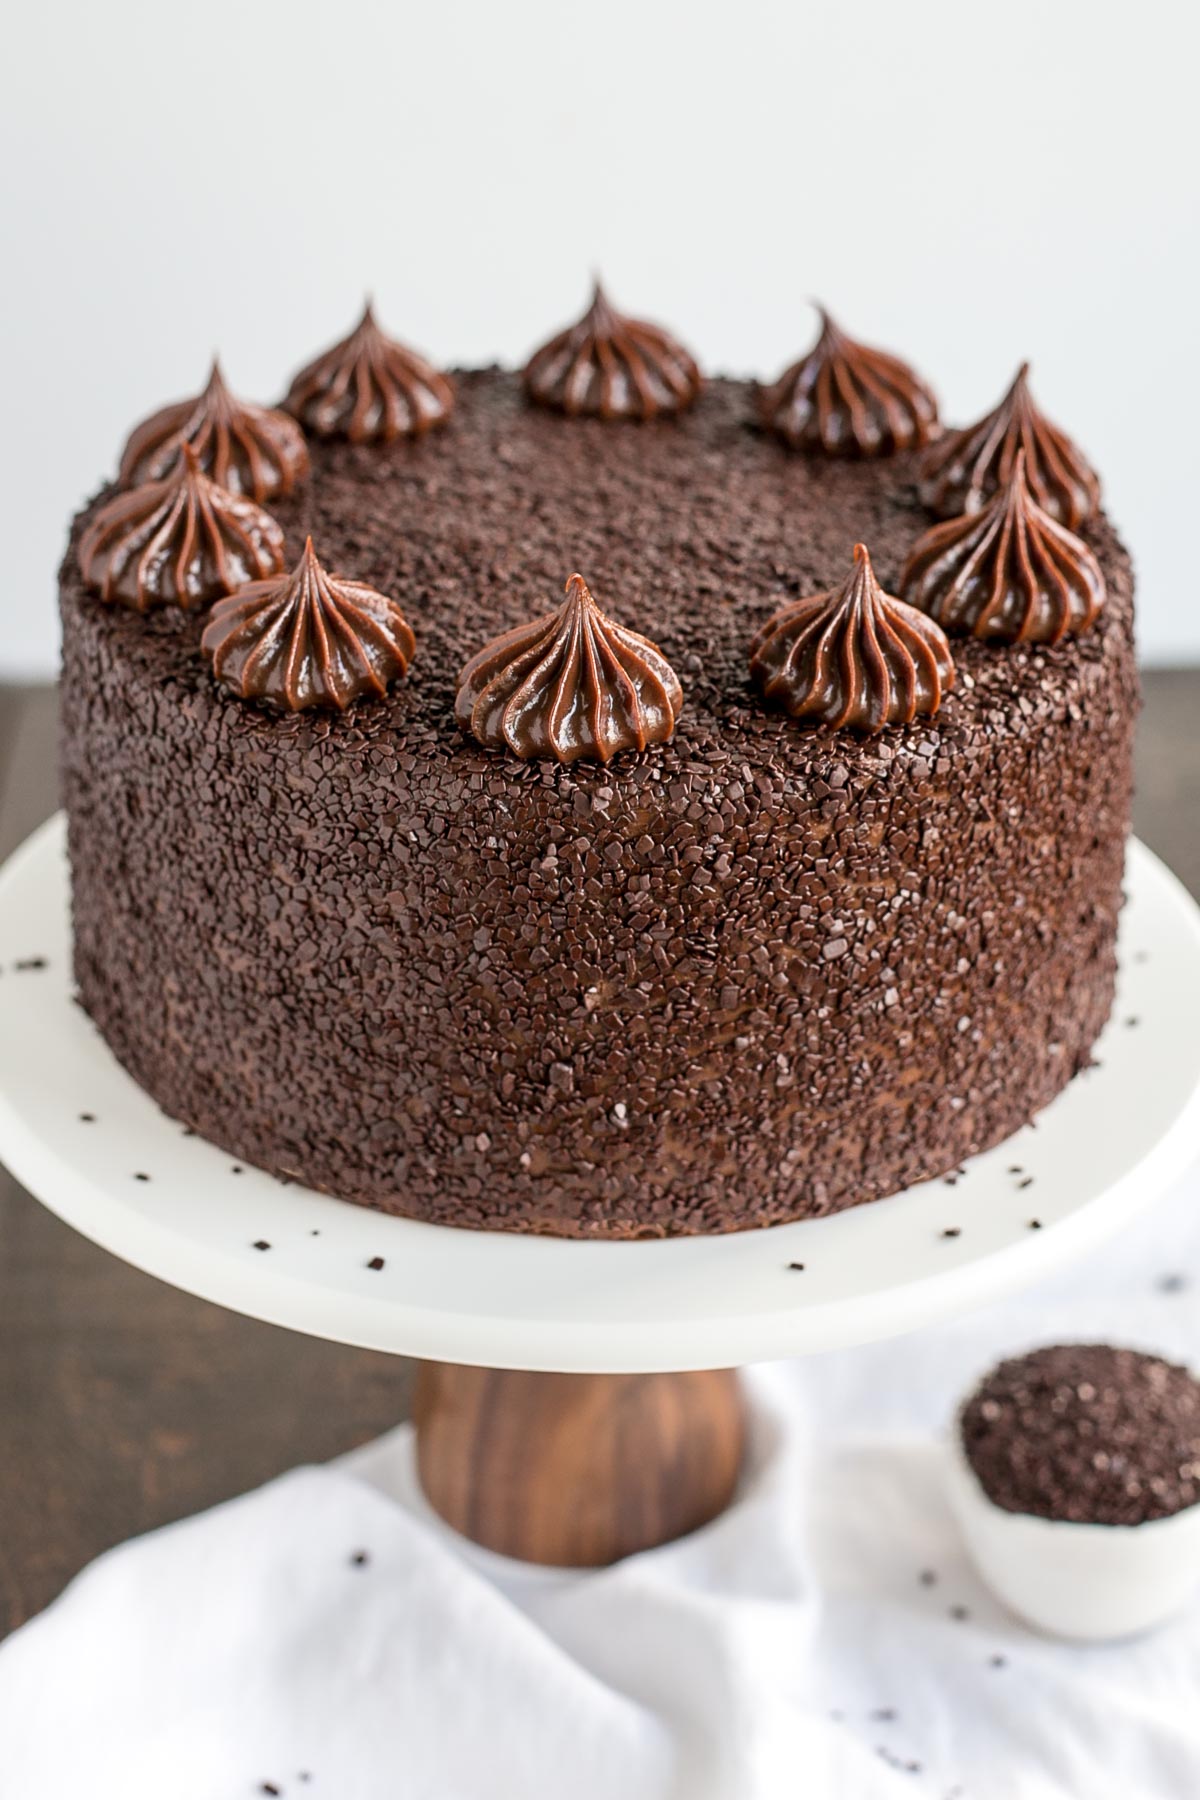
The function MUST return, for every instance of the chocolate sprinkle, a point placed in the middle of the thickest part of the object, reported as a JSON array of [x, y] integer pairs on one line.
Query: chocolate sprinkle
[[759, 939], [1086, 1432], [360, 1559], [376, 1262], [261, 1244]]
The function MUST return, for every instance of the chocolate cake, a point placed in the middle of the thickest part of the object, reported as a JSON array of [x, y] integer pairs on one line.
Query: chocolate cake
[[761, 969]]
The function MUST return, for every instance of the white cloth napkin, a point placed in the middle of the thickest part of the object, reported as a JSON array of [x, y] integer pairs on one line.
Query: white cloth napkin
[[327, 1638]]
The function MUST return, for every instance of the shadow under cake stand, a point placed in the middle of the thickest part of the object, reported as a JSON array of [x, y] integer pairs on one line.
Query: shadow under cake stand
[[578, 1401]]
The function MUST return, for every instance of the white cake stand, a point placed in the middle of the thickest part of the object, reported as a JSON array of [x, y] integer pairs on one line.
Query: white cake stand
[[82, 1136]]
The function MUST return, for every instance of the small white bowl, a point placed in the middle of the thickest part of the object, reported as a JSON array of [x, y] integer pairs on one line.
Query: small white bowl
[[1088, 1582]]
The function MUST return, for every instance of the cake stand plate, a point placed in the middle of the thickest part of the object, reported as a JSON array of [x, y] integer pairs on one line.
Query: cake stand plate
[[82, 1136]]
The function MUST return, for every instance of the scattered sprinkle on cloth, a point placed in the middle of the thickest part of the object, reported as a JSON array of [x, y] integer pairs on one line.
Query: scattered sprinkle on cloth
[[328, 1638]]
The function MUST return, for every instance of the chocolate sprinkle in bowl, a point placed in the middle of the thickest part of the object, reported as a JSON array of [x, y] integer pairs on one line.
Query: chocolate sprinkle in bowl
[[1075, 1475]]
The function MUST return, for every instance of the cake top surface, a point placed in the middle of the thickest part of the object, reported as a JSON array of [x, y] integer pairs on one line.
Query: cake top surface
[[1089, 1433], [690, 530]]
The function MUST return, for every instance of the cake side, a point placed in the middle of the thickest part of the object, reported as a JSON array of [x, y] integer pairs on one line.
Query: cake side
[[757, 973]]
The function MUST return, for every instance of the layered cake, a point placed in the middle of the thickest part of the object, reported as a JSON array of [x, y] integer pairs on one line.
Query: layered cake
[[598, 800]]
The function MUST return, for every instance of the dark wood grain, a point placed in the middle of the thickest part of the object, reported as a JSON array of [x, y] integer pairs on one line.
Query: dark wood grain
[[124, 1404], [577, 1470]]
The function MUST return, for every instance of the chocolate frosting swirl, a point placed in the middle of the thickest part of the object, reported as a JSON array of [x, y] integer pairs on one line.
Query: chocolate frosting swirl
[[308, 640], [572, 684], [845, 399], [965, 468], [179, 542], [370, 389], [611, 367], [246, 449], [854, 656], [1010, 572]]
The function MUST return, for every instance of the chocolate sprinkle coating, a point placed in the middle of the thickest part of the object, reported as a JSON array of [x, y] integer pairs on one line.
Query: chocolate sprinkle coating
[[1088, 1433], [758, 973]]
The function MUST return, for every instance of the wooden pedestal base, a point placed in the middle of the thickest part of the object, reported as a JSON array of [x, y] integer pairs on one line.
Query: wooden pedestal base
[[577, 1470]]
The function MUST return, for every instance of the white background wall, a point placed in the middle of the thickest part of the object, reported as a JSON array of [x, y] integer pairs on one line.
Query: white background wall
[[965, 184]]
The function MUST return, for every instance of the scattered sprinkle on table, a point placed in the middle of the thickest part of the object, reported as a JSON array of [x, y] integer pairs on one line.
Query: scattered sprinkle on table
[[261, 1244], [376, 1262]]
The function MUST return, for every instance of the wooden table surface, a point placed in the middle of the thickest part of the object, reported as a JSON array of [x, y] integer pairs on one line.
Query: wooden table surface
[[124, 1404]]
